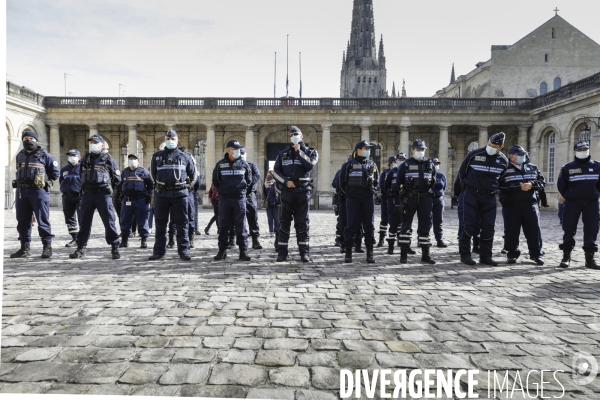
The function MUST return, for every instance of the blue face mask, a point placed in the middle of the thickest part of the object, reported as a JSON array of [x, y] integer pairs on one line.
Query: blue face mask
[[170, 144], [295, 139], [521, 159], [236, 153], [366, 153]]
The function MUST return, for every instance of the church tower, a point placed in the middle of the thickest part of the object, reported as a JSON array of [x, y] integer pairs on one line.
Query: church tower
[[363, 70]]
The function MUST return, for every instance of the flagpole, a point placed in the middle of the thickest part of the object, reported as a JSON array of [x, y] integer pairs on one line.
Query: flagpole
[[287, 66], [300, 60], [275, 78]]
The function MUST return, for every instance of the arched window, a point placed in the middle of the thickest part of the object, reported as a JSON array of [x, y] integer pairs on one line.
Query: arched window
[[551, 156], [556, 83], [543, 88], [369, 79], [364, 78]]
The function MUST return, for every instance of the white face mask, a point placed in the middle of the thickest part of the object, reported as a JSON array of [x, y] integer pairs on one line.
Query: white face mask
[[490, 150], [582, 154], [419, 155], [243, 156], [73, 159], [236, 153], [95, 147], [295, 139], [133, 163]]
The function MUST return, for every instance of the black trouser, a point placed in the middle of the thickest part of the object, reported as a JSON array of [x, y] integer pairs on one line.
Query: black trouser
[[215, 217], [422, 207], [71, 204], [517, 215]]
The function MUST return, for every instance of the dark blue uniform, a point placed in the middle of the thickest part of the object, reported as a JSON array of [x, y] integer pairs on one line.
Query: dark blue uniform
[[393, 195], [383, 224], [579, 183], [100, 175], [295, 166], [416, 178], [438, 206], [358, 178], [232, 179], [31, 200], [342, 219], [70, 186], [251, 202], [480, 174], [170, 170], [520, 208], [137, 187]]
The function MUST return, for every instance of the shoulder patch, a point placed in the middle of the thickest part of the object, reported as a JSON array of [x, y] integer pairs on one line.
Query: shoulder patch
[[117, 172], [55, 163]]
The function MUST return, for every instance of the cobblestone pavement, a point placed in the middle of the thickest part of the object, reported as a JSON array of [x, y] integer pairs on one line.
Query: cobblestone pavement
[[263, 329]]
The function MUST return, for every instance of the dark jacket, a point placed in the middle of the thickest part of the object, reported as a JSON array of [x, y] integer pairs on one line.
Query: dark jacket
[[440, 185], [295, 166], [358, 177], [255, 178], [382, 178], [99, 171], [510, 184], [39, 160], [70, 179], [417, 175], [271, 195], [232, 178], [136, 182], [481, 171], [580, 179], [170, 170]]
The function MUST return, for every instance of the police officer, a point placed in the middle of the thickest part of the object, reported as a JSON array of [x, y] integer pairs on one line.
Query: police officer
[[100, 175], [292, 170], [479, 176], [518, 187], [342, 220], [383, 224], [579, 183], [251, 202], [70, 186], [192, 205], [357, 181], [232, 177], [459, 195], [137, 187], [438, 205], [416, 178], [35, 169], [170, 169], [394, 217]]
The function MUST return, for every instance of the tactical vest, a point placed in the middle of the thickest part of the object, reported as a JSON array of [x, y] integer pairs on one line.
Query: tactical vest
[[133, 182], [96, 171], [171, 169], [419, 176], [360, 175], [30, 164], [71, 179]]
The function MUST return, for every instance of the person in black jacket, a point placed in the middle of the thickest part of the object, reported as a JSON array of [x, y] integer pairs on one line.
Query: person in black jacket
[[383, 224], [232, 177], [518, 187], [579, 183], [70, 185]]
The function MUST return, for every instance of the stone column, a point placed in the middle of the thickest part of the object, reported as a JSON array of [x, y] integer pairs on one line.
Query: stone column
[[523, 139], [483, 135], [132, 139], [210, 154], [364, 133], [249, 144], [443, 149], [54, 144], [93, 129], [403, 147], [325, 158]]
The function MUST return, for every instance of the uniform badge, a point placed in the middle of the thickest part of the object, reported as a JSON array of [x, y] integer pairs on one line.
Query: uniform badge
[[479, 158], [65, 173], [591, 169], [55, 163], [413, 167], [117, 172]]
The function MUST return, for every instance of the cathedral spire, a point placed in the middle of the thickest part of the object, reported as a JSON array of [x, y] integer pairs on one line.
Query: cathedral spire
[[362, 37], [381, 57], [403, 88], [393, 89], [452, 78]]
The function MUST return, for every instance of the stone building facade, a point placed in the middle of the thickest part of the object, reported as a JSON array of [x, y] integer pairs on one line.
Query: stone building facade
[[546, 125], [553, 55], [363, 68]]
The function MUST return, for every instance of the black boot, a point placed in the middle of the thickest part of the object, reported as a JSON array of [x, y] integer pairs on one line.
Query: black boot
[[589, 261], [171, 243], [359, 247], [255, 244], [191, 235], [231, 242], [441, 243], [155, 257], [144, 244], [47, 252], [73, 241], [221, 255], [124, 240], [403, 255], [206, 230], [426, 257], [79, 253], [348, 256], [475, 245], [410, 250], [381, 239], [115, 252], [23, 252], [342, 249], [370, 258], [244, 255], [566, 260], [391, 246]]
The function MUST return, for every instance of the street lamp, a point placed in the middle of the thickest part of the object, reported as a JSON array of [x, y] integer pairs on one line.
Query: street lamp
[[585, 133]]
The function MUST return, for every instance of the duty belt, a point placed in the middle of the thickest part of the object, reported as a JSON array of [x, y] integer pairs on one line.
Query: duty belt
[[134, 198], [478, 191], [27, 186], [96, 190]]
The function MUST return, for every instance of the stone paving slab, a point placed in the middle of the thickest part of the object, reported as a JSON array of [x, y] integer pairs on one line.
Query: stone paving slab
[[284, 330]]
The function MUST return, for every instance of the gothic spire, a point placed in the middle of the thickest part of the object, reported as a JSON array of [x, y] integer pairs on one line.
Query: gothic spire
[[393, 89], [403, 88], [362, 37], [381, 58], [452, 78]]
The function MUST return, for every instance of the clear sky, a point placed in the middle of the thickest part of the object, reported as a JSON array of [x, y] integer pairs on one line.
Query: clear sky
[[225, 48]]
